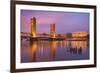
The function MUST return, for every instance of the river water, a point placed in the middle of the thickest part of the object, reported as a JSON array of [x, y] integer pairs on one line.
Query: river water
[[43, 51]]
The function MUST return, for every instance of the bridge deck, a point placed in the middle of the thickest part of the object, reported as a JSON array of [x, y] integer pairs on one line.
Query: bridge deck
[[49, 38]]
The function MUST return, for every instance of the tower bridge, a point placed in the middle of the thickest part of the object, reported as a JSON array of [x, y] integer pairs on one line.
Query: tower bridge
[[33, 35]]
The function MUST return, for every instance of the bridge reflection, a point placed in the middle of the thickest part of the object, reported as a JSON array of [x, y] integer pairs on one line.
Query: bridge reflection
[[48, 50]]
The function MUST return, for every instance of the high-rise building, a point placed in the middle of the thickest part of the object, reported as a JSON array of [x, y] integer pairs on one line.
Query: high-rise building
[[33, 26], [52, 30]]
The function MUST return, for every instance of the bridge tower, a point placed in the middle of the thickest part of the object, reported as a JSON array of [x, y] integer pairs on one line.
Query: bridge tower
[[33, 26], [52, 30]]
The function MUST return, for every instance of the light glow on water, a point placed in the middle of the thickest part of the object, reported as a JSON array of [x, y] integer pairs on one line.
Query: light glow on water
[[42, 51]]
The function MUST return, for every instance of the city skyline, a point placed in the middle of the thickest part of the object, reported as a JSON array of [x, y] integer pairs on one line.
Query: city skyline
[[64, 21]]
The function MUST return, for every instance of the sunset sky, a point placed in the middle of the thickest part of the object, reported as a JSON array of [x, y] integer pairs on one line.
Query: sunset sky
[[65, 22]]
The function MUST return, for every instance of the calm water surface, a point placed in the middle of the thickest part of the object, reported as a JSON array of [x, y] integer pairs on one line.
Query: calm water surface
[[42, 51]]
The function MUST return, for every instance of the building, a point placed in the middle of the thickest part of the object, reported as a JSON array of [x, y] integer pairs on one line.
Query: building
[[79, 34], [33, 26], [52, 30], [67, 35]]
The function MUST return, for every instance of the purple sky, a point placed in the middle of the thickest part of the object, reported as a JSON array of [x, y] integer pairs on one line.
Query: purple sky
[[65, 22]]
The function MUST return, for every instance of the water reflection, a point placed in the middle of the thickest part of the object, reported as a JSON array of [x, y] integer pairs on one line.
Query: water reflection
[[33, 47], [75, 50], [41, 51]]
